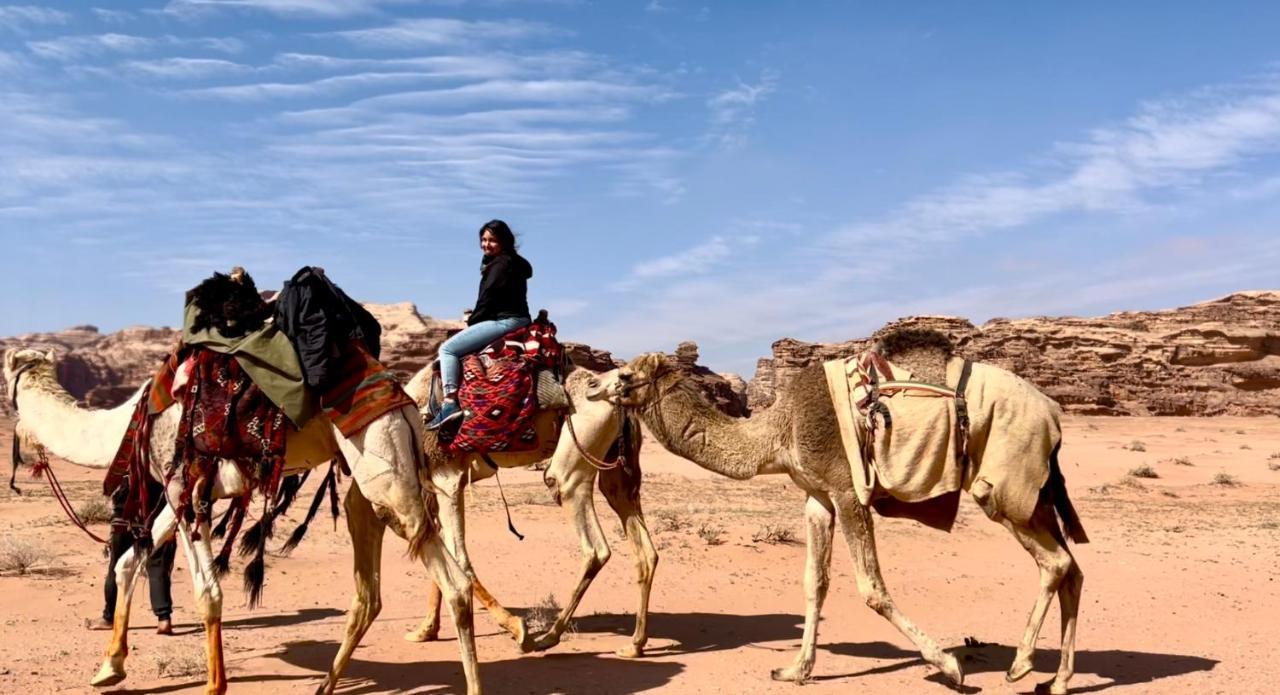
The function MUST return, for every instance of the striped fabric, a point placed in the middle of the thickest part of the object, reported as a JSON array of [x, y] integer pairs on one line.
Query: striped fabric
[[366, 392]]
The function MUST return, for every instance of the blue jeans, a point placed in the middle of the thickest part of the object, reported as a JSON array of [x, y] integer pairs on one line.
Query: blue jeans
[[468, 340]]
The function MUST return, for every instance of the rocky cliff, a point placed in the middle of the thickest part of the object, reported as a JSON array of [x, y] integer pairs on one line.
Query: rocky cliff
[[1220, 357]]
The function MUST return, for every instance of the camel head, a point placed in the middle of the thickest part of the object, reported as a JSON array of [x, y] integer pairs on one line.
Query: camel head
[[636, 383], [19, 361]]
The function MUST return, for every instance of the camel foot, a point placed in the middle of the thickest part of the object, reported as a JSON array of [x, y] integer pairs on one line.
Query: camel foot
[[326, 686], [1020, 668], [546, 641], [631, 651], [523, 638], [1053, 687], [797, 674], [422, 635], [950, 668], [111, 673]]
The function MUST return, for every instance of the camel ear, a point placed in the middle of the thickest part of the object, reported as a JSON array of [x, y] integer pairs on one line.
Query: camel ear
[[10, 359], [50, 356]]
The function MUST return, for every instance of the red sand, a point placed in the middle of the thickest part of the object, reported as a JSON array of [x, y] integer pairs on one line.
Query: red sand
[[1180, 591]]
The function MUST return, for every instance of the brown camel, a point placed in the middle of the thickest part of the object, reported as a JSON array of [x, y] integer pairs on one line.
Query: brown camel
[[1012, 426]]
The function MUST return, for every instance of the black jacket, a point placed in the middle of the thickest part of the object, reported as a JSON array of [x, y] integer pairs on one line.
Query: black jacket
[[321, 319], [504, 289]]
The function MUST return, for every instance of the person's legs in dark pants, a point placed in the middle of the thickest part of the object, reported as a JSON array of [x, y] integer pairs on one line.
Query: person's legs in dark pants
[[116, 545], [159, 569]]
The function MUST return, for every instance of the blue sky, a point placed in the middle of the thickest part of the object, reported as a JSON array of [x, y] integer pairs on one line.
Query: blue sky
[[724, 172]]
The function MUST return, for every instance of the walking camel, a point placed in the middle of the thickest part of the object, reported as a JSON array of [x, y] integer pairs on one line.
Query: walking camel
[[1013, 426], [388, 472], [588, 446]]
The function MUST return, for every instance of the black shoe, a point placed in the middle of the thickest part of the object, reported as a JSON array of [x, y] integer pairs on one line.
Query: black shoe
[[449, 411]]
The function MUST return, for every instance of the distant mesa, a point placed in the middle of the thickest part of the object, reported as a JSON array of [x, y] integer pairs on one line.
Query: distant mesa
[[1220, 357]]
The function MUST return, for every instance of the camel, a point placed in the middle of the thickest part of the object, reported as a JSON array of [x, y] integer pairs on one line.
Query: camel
[[388, 490], [799, 436], [571, 474]]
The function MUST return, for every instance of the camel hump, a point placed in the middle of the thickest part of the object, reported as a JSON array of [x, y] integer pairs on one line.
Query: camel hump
[[922, 351]]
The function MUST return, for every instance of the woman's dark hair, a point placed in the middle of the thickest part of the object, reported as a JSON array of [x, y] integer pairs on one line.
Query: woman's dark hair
[[502, 233]]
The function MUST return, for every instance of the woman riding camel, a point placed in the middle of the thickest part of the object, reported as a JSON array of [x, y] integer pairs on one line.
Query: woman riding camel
[[501, 307]]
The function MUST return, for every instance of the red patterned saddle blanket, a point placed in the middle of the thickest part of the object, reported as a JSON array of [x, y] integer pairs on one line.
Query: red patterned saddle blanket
[[499, 391]]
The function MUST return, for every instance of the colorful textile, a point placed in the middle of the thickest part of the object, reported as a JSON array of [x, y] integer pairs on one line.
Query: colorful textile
[[226, 416], [267, 355], [500, 402], [365, 391]]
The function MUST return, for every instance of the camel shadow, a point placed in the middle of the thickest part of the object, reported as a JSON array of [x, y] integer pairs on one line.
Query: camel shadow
[[698, 632], [570, 674], [306, 615], [1118, 667]]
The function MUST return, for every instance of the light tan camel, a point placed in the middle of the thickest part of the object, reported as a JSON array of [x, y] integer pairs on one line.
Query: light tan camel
[[387, 472], [571, 476], [799, 436]]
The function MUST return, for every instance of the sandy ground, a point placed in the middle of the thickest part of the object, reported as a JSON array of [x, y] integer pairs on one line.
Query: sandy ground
[[1180, 596]]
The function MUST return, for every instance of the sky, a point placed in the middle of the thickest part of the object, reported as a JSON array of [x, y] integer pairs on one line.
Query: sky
[[730, 173]]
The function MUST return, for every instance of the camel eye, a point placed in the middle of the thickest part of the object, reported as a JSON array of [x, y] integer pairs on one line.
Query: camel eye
[[624, 376]]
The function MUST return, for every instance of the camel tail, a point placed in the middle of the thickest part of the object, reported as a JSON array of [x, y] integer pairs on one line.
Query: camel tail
[[1061, 502]]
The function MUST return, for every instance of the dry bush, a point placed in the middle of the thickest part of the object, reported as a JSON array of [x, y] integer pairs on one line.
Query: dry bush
[[1225, 480], [1275, 456], [1274, 466], [95, 511], [20, 556], [778, 535], [1245, 446], [537, 498], [1144, 472], [710, 533], [541, 617], [180, 662], [672, 521], [1241, 432], [1136, 445]]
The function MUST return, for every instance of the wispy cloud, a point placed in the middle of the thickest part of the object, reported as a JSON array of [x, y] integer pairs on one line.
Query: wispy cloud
[[733, 110], [68, 49], [108, 16], [184, 68], [197, 9], [20, 17], [431, 32]]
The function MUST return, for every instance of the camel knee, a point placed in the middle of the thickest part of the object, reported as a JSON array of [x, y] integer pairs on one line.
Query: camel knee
[[879, 602]]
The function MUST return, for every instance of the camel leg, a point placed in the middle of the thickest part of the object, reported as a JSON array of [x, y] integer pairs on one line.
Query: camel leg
[[208, 593], [366, 531], [575, 495], [1044, 542], [627, 507], [859, 532], [457, 587], [453, 525], [429, 630], [819, 524], [127, 569]]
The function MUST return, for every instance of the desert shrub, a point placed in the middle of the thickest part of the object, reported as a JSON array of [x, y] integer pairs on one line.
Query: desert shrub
[[20, 556], [711, 533], [780, 535]]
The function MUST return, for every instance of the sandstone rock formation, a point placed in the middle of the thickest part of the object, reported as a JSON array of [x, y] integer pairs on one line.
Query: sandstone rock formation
[[1220, 357]]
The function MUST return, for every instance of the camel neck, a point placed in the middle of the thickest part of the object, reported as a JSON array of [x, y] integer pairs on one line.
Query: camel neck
[[690, 427], [83, 436]]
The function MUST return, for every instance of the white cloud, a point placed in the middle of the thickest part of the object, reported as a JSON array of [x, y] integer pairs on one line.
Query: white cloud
[[328, 85], [68, 49], [429, 32], [107, 16], [197, 9], [691, 260], [183, 68], [19, 17], [733, 111]]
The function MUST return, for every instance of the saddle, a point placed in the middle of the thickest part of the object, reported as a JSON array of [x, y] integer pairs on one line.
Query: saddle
[[503, 387], [906, 440]]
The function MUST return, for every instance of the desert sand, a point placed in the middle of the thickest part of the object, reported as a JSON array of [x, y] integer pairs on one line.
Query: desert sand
[[1180, 592]]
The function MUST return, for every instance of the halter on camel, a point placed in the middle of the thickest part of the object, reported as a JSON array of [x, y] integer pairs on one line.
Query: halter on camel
[[41, 466]]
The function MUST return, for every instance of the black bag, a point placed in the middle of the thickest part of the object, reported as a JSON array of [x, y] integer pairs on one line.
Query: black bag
[[321, 320]]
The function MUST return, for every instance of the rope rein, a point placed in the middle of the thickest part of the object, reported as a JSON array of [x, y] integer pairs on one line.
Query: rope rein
[[42, 467]]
